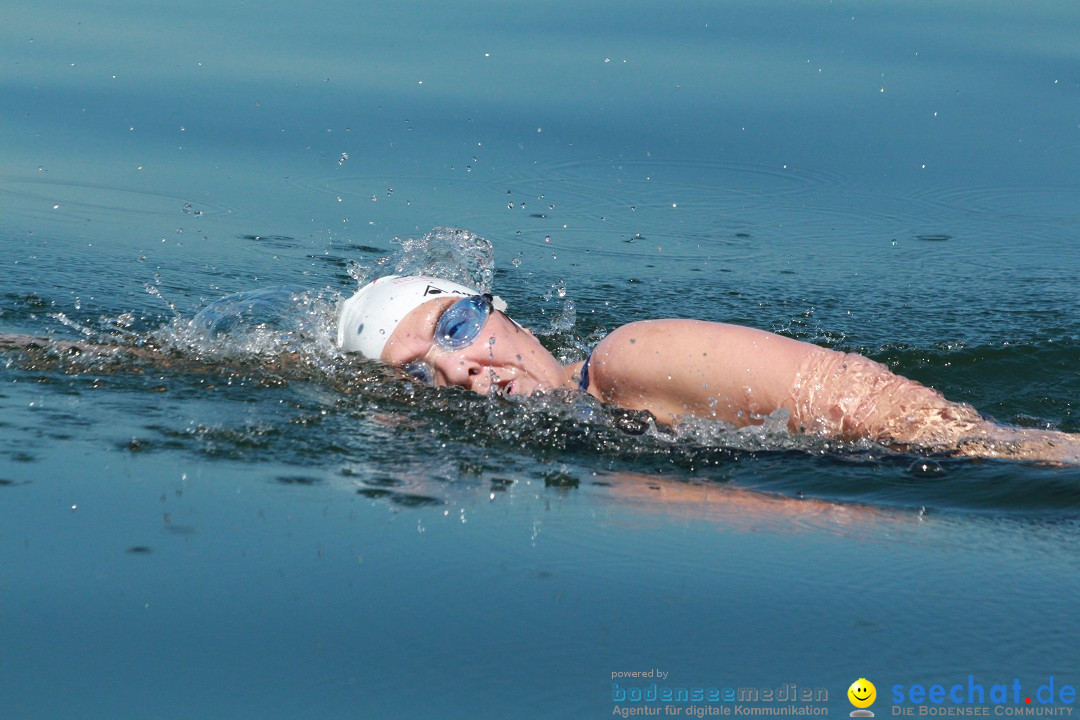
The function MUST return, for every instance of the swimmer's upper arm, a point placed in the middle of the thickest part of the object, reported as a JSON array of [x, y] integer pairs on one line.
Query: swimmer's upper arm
[[691, 367]]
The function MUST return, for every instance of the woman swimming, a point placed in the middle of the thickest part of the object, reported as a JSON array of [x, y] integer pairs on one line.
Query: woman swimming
[[446, 334]]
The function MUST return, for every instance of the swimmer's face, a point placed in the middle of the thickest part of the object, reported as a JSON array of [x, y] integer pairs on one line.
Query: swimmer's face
[[504, 358]]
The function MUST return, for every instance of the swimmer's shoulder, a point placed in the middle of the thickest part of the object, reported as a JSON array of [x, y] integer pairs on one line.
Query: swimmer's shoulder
[[626, 365], [675, 367], [640, 339]]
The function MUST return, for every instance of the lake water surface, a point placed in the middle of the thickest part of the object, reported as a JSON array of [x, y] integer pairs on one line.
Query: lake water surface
[[223, 536]]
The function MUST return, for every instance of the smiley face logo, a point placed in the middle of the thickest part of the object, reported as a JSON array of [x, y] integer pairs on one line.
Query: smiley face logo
[[862, 693]]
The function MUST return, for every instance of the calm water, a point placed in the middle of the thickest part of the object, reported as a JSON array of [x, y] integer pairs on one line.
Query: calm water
[[224, 537]]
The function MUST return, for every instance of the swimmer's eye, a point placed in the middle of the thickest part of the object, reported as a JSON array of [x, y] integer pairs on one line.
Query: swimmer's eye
[[421, 372], [462, 322]]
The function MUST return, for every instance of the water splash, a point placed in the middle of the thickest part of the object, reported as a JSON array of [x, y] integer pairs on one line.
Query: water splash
[[449, 253], [64, 320], [264, 322], [561, 336], [155, 291]]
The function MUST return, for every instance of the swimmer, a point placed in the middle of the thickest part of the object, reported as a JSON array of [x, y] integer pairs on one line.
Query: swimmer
[[442, 333]]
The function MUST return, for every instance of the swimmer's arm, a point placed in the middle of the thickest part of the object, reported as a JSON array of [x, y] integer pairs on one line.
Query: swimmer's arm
[[36, 349], [676, 368], [12, 342]]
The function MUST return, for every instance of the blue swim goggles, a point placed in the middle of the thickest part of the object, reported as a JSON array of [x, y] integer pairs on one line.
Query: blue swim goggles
[[457, 328]]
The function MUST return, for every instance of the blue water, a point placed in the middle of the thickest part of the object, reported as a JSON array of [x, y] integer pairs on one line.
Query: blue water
[[257, 528]]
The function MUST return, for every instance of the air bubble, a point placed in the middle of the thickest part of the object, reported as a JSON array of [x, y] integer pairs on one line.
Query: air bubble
[[925, 467]]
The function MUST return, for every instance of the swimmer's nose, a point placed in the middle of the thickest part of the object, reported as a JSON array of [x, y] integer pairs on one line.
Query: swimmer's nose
[[460, 371]]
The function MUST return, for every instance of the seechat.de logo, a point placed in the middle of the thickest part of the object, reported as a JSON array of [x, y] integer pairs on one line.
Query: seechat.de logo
[[862, 695]]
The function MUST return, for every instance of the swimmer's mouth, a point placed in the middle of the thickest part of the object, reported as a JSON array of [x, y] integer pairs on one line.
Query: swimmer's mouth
[[498, 389]]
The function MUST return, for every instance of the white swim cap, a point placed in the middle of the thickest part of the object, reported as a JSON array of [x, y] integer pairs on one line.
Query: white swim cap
[[370, 316]]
